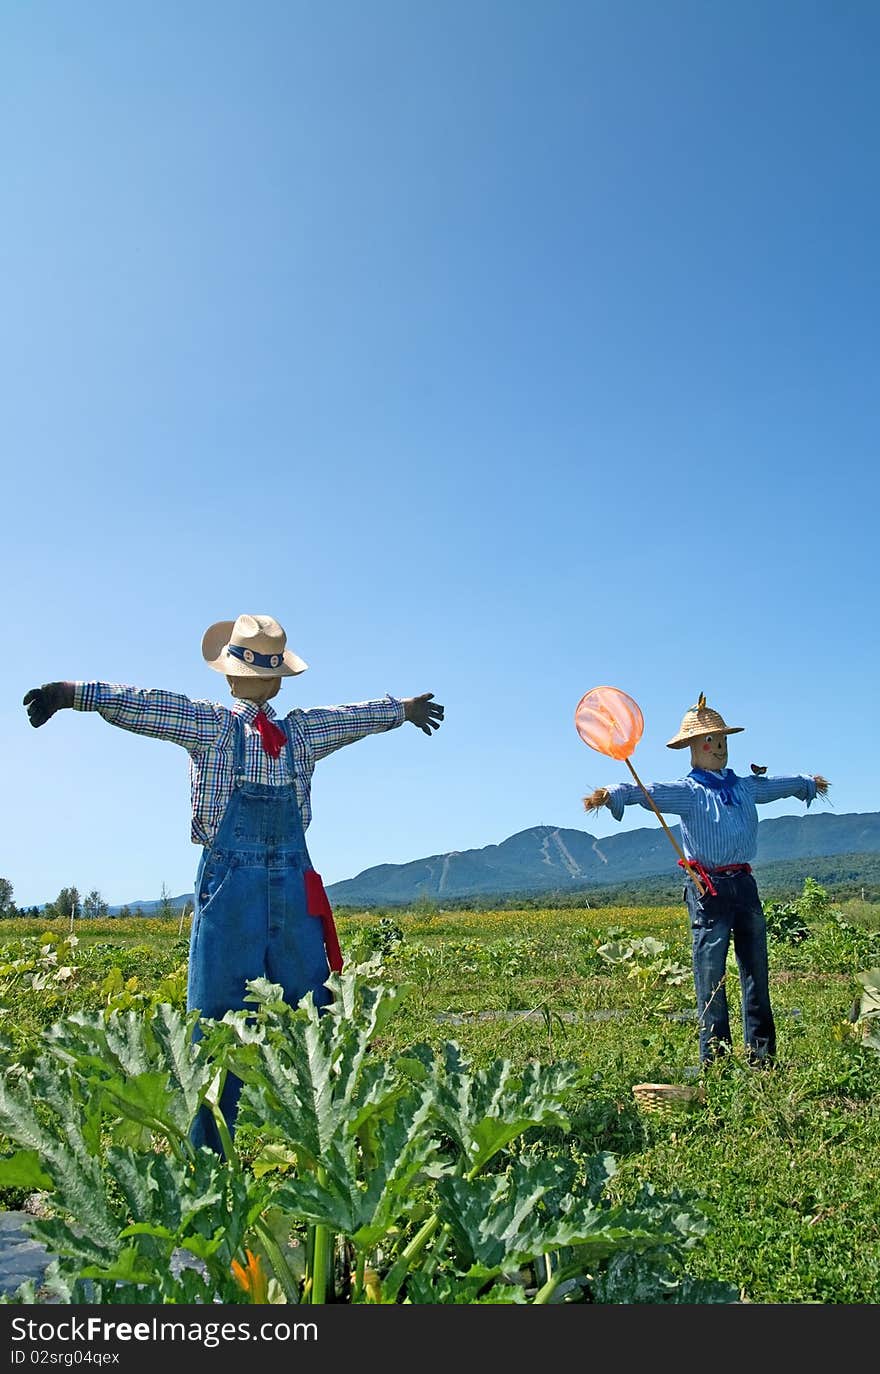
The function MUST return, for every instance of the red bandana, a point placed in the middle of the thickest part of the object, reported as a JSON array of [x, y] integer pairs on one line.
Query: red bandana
[[272, 735]]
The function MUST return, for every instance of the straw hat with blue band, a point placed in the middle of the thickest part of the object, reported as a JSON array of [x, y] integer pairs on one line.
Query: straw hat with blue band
[[251, 646]]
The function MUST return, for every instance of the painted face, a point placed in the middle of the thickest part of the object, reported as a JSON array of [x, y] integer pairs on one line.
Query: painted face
[[255, 688], [710, 751]]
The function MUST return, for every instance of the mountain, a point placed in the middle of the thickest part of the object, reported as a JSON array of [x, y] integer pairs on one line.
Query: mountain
[[166, 905], [548, 859], [544, 859]]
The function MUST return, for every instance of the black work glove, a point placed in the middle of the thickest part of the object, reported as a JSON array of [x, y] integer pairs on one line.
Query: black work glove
[[43, 702]]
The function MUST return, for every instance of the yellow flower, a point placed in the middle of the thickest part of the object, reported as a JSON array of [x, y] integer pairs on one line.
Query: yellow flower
[[251, 1277], [372, 1285]]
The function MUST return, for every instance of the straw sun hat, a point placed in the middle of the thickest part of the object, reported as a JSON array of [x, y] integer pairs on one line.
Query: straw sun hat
[[251, 646], [701, 720]]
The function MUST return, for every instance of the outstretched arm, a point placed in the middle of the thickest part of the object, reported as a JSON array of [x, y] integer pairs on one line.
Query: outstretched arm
[[326, 728], [423, 711], [674, 797], [805, 786], [158, 714]]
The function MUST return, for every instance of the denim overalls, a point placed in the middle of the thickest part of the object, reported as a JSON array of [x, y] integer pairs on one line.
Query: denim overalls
[[251, 916]]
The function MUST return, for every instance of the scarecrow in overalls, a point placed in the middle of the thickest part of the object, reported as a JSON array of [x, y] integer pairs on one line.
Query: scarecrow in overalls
[[717, 810], [260, 907]]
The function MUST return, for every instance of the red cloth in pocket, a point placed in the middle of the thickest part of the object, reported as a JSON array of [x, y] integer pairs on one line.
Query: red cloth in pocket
[[318, 904]]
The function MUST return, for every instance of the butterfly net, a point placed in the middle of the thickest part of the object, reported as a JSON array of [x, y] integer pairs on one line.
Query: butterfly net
[[609, 721]]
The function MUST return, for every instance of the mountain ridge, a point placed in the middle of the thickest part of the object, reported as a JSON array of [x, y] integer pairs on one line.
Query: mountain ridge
[[554, 859]]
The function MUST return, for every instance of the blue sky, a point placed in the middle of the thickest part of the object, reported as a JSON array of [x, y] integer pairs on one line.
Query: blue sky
[[498, 349]]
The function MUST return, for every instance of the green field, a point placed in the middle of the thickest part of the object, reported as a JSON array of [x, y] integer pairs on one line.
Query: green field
[[783, 1162]]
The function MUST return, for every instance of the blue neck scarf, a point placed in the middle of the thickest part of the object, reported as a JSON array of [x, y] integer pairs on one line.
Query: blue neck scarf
[[724, 786]]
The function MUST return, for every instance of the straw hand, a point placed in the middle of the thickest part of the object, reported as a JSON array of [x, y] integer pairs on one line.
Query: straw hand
[[597, 799]]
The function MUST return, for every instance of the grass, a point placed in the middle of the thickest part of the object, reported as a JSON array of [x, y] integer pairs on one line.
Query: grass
[[786, 1157]]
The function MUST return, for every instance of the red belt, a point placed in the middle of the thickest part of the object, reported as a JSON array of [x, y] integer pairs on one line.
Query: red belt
[[725, 871], [318, 904]]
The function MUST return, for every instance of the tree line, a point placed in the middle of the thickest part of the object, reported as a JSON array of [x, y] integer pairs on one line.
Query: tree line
[[70, 906]]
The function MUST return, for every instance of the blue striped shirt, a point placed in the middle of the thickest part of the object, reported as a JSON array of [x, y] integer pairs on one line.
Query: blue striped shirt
[[712, 832], [205, 730]]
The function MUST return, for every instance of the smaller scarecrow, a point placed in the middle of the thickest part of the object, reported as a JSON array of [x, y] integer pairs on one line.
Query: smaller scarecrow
[[717, 811], [260, 907]]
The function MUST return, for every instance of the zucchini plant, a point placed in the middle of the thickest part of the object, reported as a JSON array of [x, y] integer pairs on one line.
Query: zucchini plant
[[419, 1178]]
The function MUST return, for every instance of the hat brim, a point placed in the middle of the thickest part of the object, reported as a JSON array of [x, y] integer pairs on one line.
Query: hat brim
[[680, 741], [215, 643]]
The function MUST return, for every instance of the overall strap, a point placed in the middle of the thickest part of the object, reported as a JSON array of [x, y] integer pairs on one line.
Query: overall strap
[[297, 813], [238, 749], [287, 728], [317, 901]]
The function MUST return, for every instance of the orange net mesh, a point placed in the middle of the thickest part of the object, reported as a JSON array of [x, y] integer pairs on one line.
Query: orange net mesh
[[609, 721]]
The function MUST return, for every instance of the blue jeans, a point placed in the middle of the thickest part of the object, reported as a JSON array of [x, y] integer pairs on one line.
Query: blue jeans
[[736, 911]]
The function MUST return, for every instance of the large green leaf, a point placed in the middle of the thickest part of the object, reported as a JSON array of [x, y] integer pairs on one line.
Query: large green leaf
[[187, 1070], [644, 1278], [146, 1098], [461, 1290], [502, 1222], [128, 1267], [483, 1110], [365, 1204], [869, 1006], [107, 1044], [311, 1080], [127, 1047], [66, 1157], [24, 1170]]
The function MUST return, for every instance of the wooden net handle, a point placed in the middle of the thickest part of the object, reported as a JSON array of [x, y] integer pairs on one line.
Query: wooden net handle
[[685, 862]]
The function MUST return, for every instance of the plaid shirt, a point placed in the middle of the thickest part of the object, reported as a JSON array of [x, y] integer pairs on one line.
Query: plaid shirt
[[205, 730]]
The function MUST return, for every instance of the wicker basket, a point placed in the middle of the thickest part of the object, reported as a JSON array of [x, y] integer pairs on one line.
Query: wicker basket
[[668, 1098]]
